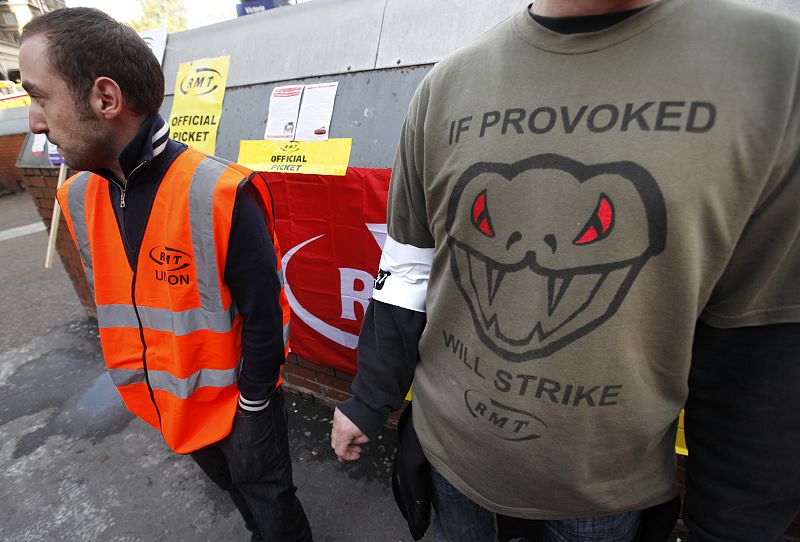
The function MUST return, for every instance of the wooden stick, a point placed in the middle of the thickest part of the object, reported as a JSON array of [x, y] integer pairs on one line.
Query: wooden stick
[[51, 244]]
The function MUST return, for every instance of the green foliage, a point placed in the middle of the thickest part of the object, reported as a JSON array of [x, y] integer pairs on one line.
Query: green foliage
[[157, 13]]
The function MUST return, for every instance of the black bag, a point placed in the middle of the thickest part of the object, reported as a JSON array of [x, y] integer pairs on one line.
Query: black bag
[[411, 478]]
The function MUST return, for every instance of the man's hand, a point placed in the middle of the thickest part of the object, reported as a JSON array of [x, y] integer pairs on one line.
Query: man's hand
[[346, 438]]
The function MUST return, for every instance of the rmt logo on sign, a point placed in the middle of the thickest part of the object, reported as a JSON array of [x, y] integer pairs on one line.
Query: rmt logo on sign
[[171, 262], [290, 147], [201, 81]]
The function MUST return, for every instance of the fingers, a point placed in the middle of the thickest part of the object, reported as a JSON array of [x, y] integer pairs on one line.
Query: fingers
[[352, 453], [346, 438]]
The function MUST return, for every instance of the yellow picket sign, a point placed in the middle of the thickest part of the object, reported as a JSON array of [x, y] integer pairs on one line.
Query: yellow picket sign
[[325, 157], [8, 102], [13, 95], [197, 104]]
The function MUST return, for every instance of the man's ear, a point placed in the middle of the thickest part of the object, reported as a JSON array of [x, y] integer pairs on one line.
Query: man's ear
[[106, 98]]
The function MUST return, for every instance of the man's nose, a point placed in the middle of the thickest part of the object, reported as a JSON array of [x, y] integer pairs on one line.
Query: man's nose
[[36, 121]]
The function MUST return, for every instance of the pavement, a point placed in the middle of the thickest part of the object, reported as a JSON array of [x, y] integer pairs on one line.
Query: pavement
[[76, 466]]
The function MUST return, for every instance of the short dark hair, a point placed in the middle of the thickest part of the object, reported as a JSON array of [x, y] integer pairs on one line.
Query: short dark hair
[[85, 43]]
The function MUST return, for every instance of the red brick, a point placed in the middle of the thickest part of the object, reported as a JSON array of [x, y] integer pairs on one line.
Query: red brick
[[10, 177], [301, 372], [302, 384], [303, 362], [344, 375], [335, 395], [37, 181], [333, 382]]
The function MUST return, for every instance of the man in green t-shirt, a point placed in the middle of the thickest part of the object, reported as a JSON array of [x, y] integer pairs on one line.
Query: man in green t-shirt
[[593, 216]]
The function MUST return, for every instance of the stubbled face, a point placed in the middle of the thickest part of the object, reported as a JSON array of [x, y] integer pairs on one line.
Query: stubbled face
[[554, 240], [83, 141]]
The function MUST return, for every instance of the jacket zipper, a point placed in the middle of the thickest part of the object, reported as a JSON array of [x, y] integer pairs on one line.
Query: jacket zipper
[[144, 348], [123, 188]]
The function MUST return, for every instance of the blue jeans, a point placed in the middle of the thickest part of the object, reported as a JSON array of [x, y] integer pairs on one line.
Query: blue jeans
[[252, 464], [458, 519]]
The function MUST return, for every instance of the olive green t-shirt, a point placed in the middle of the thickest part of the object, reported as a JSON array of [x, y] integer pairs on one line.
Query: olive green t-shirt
[[587, 198]]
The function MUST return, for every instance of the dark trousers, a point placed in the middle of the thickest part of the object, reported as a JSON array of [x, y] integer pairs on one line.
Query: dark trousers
[[743, 434], [252, 464]]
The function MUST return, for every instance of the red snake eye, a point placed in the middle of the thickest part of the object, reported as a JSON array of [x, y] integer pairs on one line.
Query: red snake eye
[[589, 235], [480, 215], [599, 225]]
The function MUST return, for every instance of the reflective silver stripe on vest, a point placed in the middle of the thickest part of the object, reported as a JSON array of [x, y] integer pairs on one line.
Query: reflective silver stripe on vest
[[201, 216], [76, 201], [181, 388], [109, 316], [125, 377], [177, 323]]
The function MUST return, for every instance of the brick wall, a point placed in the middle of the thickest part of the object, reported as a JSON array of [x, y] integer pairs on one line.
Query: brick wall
[[328, 386], [325, 384], [41, 185], [10, 176]]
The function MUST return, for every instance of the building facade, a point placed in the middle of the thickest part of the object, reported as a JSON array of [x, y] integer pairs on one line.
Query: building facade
[[14, 14]]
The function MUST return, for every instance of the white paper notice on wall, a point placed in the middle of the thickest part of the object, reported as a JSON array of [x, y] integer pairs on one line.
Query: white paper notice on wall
[[284, 104], [53, 155], [314, 120], [39, 143]]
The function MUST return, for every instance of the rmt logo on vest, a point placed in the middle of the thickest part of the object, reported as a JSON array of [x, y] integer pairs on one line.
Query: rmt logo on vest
[[201, 81], [171, 262]]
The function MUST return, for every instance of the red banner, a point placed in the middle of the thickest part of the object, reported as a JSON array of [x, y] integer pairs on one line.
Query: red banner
[[331, 231]]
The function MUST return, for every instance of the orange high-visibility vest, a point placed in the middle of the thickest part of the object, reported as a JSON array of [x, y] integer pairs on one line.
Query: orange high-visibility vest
[[170, 333]]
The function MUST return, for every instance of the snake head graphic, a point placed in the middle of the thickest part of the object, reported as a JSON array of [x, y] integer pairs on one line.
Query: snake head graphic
[[545, 250]]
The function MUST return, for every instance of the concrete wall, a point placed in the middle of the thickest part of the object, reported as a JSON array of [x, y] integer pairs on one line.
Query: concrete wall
[[378, 50]]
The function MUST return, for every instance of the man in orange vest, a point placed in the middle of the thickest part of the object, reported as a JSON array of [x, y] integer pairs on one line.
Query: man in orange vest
[[180, 253]]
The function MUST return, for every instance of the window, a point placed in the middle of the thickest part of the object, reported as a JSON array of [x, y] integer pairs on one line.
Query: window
[[9, 18]]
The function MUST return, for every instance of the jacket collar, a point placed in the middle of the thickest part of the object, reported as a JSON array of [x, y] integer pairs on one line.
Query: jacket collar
[[149, 143]]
